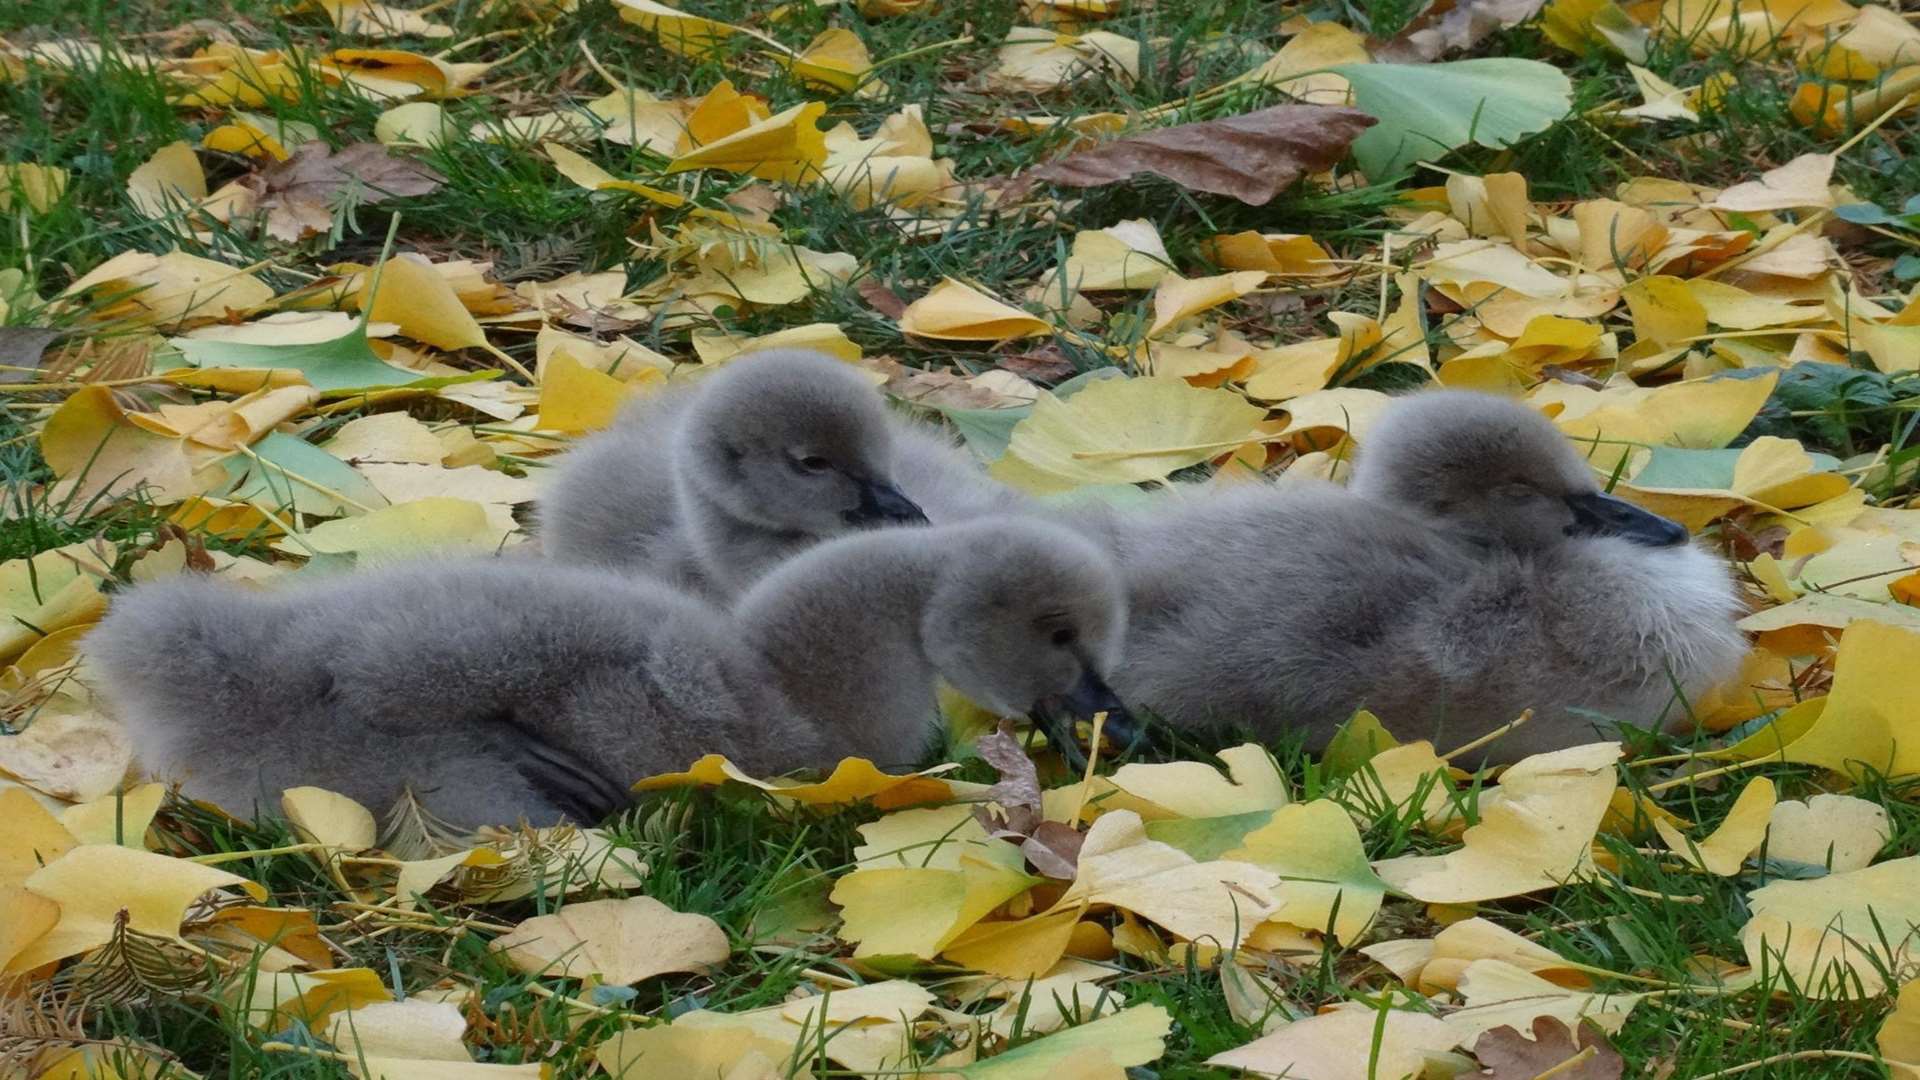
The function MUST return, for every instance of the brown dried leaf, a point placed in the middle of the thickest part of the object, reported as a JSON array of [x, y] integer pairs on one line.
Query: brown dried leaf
[[298, 196], [1054, 849], [1251, 157], [1509, 1055], [1046, 364], [1464, 25], [880, 298], [1019, 786]]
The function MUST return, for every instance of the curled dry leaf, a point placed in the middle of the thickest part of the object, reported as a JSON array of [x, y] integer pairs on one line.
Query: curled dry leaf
[[1252, 157], [298, 196]]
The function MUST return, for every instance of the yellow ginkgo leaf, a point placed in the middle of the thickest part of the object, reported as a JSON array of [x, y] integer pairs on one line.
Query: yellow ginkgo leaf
[[119, 818], [1120, 256], [325, 817], [48, 592], [852, 780], [679, 1050], [1499, 994], [1459, 946], [1300, 67], [578, 169], [414, 1029], [1327, 884], [1306, 367], [837, 60], [422, 303], [619, 942], [1834, 936], [274, 1000], [575, 398], [1125, 431], [397, 74], [1034, 58], [1349, 1042], [1899, 1035], [259, 136], [1286, 254], [881, 919], [1535, 835], [1191, 789], [1705, 415], [1837, 832], [168, 182], [1738, 836], [1178, 297], [1863, 722], [24, 919], [1219, 901], [33, 838], [1664, 310], [689, 35], [407, 530], [417, 123], [956, 311], [1802, 182], [368, 18], [1102, 1050], [788, 147], [1016, 948], [99, 885], [40, 186], [718, 347], [168, 290]]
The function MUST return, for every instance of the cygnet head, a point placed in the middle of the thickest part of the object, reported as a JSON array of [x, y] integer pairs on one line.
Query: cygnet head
[[793, 441], [1030, 619], [1498, 472]]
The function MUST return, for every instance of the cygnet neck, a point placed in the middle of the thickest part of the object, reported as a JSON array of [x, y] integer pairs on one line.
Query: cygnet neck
[[840, 626]]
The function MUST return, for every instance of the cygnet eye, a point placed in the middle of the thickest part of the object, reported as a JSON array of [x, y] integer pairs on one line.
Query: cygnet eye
[[1057, 629], [811, 463], [1064, 636]]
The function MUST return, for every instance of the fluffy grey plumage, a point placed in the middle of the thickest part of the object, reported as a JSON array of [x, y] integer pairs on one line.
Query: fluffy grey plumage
[[1472, 570], [498, 689], [713, 485]]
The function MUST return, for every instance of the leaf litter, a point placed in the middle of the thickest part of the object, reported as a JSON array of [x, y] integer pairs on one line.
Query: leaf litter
[[279, 414]]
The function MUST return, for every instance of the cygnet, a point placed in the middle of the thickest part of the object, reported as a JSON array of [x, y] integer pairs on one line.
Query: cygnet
[[712, 485], [497, 690], [1473, 569]]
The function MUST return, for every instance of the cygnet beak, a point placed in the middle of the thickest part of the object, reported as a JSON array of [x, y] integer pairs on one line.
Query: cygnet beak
[[1055, 715], [883, 504], [1600, 514]]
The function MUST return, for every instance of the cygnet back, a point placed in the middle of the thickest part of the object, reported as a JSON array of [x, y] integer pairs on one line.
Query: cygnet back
[[498, 689], [1474, 570]]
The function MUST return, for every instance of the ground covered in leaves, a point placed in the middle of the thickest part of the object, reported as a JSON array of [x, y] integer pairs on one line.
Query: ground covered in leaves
[[284, 290]]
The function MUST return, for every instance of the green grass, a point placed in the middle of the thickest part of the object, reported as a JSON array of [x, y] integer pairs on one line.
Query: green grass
[[740, 858]]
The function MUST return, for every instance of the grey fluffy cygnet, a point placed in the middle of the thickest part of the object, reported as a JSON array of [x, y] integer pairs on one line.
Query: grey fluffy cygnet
[[713, 485], [498, 690], [1473, 569]]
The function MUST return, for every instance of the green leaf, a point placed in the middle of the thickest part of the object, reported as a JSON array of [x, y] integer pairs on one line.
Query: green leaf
[[284, 471], [1426, 110], [346, 363], [1675, 468], [1208, 838], [987, 431]]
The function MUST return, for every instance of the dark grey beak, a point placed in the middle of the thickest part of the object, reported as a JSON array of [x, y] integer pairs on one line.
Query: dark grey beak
[[1599, 514], [1055, 716], [883, 504]]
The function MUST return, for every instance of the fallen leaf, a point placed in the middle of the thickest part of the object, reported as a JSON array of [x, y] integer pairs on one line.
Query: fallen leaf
[[1498, 994], [301, 195], [33, 838], [118, 818], [98, 885], [619, 942], [1426, 110], [956, 311], [852, 780], [1252, 157], [1799, 183], [169, 182], [1899, 1035], [1460, 27], [1121, 431], [1834, 936], [324, 817], [1739, 835], [1326, 883], [787, 147], [1837, 832], [1552, 1049], [1218, 901], [1348, 1043], [1101, 1050], [1536, 835]]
